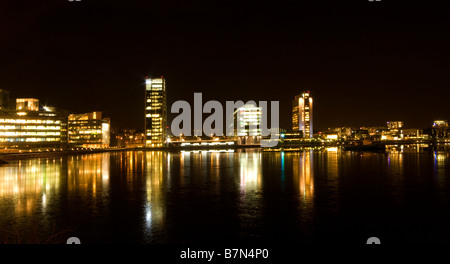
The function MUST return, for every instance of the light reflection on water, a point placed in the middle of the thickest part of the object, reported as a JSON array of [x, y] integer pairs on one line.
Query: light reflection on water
[[157, 197]]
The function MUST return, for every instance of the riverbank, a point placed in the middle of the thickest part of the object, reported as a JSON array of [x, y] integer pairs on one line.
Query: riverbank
[[11, 155], [25, 154]]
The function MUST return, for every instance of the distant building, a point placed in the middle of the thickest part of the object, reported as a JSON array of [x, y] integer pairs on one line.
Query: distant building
[[129, 138], [155, 112], [394, 125], [440, 129], [360, 134], [332, 134], [89, 130], [28, 128], [412, 133], [302, 114], [292, 137], [247, 121]]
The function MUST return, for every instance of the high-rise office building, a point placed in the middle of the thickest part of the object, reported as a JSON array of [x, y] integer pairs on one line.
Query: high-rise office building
[[155, 112], [302, 114]]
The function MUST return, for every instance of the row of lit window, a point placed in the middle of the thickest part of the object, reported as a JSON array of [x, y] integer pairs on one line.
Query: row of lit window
[[86, 132], [28, 139], [95, 137], [85, 122], [29, 121], [30, 127], [14, 134]]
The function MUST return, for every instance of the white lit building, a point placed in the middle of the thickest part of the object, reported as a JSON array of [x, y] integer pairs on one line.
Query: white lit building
[[247, 121], [155, 112]]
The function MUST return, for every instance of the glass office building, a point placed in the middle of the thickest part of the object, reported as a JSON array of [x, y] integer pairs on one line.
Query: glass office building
[[155, 112], [302, 114], [88, 130]]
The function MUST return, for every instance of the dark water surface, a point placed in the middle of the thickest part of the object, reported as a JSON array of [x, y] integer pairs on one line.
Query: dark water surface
[[247, 197]]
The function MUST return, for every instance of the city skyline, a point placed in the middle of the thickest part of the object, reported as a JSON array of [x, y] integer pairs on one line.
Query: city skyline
[[365, 64]]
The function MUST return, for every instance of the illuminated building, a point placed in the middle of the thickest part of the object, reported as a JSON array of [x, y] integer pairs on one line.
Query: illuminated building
[[394, 125], [89, 130], [28, 128], [27, 104], [247, 121], [440, 129], [4, 99], [440, 123], [302, 114], [155, 112], [130, 138]]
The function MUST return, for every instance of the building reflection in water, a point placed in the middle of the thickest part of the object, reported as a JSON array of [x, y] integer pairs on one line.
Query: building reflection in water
[[156, 166], [332, 162], [247, 170], [395, 161], [250, 171], [28, 186], [303, 173], [395, 167], [440, 159], [88, 174]]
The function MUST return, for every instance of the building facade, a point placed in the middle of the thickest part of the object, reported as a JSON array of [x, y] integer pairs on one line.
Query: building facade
[[394, 125], [88, 130], [302, 114], [128, 138], [440, 129], [247, 124], [28, 128], [155, 112]]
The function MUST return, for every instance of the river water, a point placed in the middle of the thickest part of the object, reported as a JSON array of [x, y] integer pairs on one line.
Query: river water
[[246, 197]]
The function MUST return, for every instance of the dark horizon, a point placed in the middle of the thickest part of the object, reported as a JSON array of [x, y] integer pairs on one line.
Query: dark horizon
[[365, 63]]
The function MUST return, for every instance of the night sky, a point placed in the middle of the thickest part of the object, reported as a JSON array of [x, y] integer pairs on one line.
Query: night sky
[[364, 62]]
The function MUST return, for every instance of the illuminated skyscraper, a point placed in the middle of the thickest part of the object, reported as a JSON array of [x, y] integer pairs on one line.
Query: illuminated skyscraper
[[302, 114], [155, 112]]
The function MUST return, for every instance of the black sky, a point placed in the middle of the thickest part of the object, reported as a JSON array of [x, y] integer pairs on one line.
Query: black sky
[[364, 62]]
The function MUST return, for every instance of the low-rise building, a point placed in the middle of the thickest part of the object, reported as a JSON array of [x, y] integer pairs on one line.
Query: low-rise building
[[30, 127], [89, 130]]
